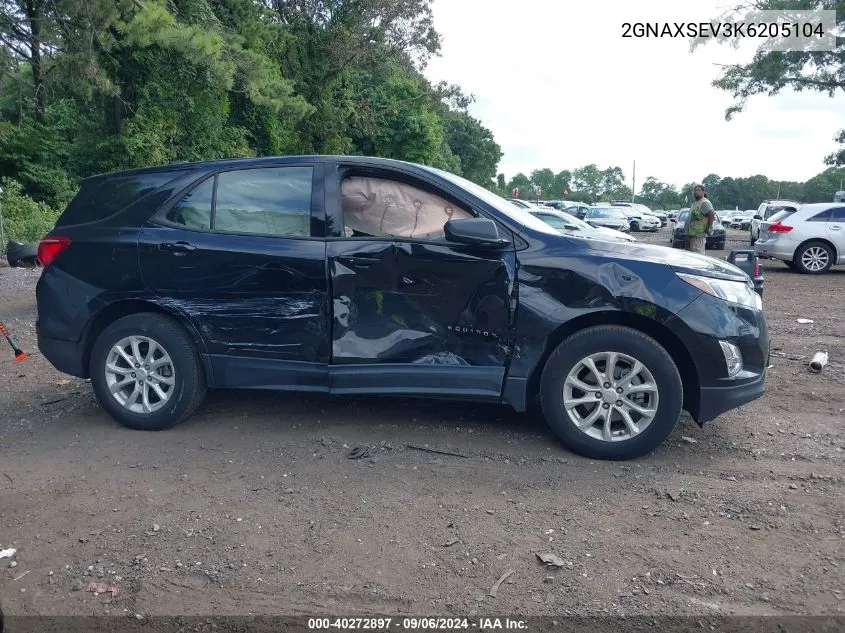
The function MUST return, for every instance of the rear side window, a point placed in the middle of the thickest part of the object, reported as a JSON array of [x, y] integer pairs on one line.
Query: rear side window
[[781, 215], [102, 198], [272, 201], [837, 214]]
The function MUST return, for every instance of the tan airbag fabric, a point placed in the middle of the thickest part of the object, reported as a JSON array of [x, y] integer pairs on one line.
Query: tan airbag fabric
[[386, 208]]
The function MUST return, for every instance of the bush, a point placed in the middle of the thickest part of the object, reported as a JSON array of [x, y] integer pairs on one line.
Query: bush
[[24, 219]]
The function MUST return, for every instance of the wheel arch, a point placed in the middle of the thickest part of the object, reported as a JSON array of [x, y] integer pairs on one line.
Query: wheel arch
[[125, 307], [824, 241], [660, 333]]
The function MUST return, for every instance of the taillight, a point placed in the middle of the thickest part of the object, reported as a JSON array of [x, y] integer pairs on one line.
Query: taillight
[[51, 247], [778, 227], [756, 269]]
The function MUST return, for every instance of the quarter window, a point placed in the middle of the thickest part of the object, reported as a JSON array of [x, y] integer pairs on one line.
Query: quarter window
[[820, 217], [194, 210]]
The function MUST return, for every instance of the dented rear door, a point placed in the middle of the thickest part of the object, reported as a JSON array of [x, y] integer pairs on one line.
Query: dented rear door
[[259, 300]]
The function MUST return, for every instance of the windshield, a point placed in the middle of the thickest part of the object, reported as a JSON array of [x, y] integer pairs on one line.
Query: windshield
[[607, 213], [518, 214], [564, 221]]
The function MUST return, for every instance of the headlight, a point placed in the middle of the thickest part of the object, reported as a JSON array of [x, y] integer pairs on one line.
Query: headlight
[[738, 292]]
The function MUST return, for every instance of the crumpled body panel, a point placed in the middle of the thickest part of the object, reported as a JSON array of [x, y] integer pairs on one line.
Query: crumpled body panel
[[420, 303]]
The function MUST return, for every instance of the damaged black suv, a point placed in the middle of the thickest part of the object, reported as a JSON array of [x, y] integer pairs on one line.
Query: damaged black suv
[[353, 275]]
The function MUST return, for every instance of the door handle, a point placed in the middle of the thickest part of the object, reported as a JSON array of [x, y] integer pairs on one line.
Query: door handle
[[177, 246], [359, 261], [836, 228]]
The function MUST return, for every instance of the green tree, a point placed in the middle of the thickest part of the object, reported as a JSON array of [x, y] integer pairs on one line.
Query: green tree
[[524, 183], [770, 72], [544, 178], [473, 144], [562, 183], [588, 181]]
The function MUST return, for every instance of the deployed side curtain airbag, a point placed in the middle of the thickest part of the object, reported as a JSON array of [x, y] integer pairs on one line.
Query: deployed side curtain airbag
[[386, 208]]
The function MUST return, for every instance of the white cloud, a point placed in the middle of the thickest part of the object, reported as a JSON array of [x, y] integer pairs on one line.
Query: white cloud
[[561, 88]]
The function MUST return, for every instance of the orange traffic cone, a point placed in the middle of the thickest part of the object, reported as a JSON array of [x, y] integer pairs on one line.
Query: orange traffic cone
[[19, 353]]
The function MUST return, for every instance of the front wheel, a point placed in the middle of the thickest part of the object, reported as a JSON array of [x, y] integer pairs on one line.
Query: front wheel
[[611, 392], [635, 227], [146, 372]]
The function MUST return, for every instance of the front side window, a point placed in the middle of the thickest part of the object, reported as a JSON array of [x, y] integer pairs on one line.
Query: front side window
[[273, 201], [378, 207]]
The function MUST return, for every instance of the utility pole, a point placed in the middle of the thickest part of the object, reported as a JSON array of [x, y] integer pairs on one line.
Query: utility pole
[[634, 184]]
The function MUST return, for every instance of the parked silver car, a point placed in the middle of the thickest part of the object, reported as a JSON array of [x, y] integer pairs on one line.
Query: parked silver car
[[809, 239], [743, 219], [610, 217], [765, 211]]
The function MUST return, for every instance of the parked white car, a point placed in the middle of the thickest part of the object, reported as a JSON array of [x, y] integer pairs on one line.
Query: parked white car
[[809, 239], [570, 225]]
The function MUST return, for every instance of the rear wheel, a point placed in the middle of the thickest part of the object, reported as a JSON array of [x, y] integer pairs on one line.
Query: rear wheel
[[146, 372], [813, 258], [635, 227], [611, 392]]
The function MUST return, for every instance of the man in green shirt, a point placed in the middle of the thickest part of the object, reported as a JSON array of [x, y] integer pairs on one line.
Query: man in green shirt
[[699, 221]]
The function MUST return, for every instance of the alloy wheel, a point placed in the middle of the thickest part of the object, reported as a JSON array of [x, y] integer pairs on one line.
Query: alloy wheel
[[140, 374], [815, 258], [610, 396]]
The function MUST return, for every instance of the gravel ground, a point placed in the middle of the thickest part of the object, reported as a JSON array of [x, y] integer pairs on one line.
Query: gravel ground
[[252, 506]]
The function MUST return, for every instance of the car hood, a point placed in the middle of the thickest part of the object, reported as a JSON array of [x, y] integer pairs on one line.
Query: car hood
[[680, 260], [613, 234]]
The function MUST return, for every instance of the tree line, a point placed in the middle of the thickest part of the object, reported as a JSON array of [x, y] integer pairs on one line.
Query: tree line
[[89, 86], [591, 184]]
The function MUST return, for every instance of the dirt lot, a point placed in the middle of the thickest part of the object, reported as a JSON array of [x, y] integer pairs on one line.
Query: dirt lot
[[253, 506]]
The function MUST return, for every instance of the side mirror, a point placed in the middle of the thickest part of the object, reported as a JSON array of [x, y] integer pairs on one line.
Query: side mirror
[[476, 232], [758, 217]]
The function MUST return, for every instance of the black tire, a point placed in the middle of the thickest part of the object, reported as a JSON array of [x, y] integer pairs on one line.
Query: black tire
[[802, 250], [611, 338], [790, 264], [635, 227], [189, 386]]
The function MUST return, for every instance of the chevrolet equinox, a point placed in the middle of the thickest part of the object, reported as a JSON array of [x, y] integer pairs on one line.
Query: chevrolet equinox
[[357, 275]]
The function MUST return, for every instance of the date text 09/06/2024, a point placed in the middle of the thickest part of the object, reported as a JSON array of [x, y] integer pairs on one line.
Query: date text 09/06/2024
[[415, 624]]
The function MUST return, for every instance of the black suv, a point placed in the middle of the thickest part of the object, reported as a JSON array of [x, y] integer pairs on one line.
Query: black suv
[[352, 275]]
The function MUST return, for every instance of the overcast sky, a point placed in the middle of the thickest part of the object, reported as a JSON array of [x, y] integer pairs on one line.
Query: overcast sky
[[561, 88]]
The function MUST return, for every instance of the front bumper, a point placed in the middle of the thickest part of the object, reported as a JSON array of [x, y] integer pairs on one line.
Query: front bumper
[[714, 401], [706, 321]]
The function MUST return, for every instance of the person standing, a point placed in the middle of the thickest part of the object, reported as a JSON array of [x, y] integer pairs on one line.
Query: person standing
[[700, 221]]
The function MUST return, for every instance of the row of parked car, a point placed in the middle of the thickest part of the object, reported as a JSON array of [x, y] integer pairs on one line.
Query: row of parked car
[[809, 238], [619, 215]]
